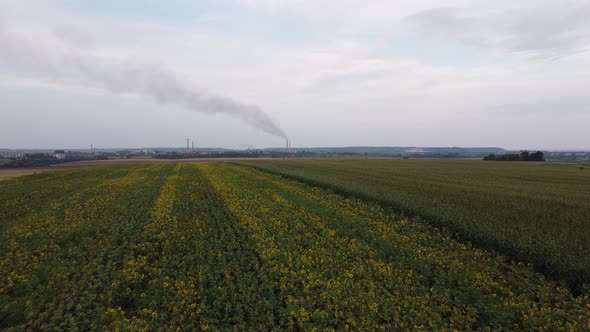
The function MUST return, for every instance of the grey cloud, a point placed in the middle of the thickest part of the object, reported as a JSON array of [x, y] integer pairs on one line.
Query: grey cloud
[[74, 35], [60, 60], [558, 30], [565, 106]]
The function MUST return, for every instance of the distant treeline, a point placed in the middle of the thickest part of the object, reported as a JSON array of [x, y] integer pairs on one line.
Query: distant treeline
[[312, 154], [522, 156], [41, 160]]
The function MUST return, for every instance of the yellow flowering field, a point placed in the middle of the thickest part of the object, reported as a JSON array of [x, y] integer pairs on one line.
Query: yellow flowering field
[[529, 212], [197, 247]]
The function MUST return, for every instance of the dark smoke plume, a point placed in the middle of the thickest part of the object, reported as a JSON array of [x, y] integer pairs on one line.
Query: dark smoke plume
[[59, 60]]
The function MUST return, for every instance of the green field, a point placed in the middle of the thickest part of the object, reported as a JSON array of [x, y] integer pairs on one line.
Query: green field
[[531, 212], [217, 246]]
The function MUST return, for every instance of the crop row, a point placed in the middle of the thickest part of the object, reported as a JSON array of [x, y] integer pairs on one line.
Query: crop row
[[346, 263], [227, 247], [22, 196], [531, 212], [193, 267], [55, 262]]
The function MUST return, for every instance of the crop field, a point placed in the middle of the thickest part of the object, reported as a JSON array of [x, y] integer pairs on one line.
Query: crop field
[[537, 213], [6, 174], [219, 246]]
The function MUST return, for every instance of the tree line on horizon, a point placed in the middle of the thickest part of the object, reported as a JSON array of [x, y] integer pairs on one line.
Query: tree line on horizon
[[522, 156]]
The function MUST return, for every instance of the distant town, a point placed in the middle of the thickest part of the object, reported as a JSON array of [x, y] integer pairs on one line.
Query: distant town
[[16, 158]]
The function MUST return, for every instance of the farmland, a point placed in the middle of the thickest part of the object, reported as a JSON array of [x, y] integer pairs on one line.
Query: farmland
[[6, 174], [531, 212], [218, 246]]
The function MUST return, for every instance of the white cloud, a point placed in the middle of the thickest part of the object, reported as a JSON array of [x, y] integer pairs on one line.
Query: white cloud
[[378, 11], [546, 29], [347, 90]]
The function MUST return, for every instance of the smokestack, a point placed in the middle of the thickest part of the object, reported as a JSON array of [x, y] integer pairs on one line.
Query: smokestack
[[187, 148], [193, 146]]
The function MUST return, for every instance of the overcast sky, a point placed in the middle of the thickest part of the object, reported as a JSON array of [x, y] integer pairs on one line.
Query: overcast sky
[[243, 73]]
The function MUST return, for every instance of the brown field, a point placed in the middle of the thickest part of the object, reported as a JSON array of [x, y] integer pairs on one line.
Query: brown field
[[6, 174]]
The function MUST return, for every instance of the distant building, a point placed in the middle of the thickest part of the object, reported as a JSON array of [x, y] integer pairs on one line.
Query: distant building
[[13, 155], [58, 154]]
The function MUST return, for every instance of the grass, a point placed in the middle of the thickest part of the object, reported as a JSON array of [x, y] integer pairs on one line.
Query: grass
[[531, 212]]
